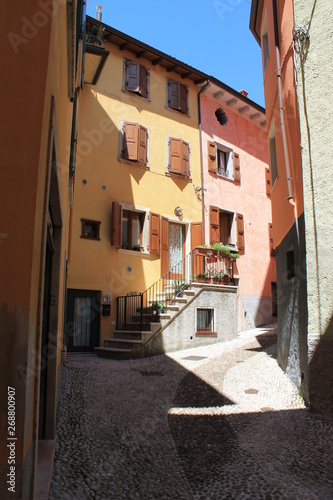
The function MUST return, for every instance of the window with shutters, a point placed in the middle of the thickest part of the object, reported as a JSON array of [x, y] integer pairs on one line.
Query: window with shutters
[[226, 228], [177, 96], [134, 143], [131, 227], [223, 162], [136, 78], [179, 157]]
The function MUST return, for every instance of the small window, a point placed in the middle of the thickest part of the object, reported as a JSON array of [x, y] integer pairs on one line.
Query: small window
[[205, 321], [136, 78], [227, 228], [273, 156], [90, 229], [131, 233], [179, 157], [223, 161], [265, 45], [177, 96], [290, 264], [224, 164], [135, 143]]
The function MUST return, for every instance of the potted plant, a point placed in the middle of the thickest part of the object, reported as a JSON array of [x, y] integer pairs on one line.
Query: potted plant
[[95, 36], [136, 248]]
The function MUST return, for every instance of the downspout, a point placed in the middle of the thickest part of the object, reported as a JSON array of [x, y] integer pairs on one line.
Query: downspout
[[290, 195], [201, 160]]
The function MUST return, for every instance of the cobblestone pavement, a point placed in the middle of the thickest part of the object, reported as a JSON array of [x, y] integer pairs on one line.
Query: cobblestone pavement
[[218, 422]]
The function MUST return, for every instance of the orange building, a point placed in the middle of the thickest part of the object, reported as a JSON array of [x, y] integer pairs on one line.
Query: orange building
[[236, 201]]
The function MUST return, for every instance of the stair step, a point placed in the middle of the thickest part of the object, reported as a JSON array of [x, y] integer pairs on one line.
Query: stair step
[[172, 307], [113, 353], [189, 292], [124, 341], [181, 300]]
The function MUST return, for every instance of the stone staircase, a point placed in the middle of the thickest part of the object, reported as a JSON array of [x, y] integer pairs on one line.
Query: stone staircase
[[128, 344]]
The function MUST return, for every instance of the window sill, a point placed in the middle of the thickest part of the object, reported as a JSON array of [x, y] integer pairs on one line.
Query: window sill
[[129, 92], [178, 176], [206, 334], [90, 238], [133, 252], [133, 163]]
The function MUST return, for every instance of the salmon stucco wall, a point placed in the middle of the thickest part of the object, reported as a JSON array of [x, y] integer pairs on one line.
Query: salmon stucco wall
[[256, 267]]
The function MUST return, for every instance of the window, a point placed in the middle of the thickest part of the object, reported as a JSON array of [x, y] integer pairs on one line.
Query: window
[[177, 96], [136, 78], [205, 321], [223, 162], [135, 143], [265, 44], [227, 228], [90, 229], [135, 228], [290, 264], [273, 156], [179, 157]]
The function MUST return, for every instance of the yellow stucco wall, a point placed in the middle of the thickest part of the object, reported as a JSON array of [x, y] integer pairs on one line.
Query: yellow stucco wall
[[96, 265]]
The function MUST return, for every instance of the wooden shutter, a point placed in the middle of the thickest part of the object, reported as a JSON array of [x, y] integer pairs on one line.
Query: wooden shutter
[[212, 157], [132, 76], [214, 221], [240, 233], [143, 152], [186, 159], [183, 98], [131, 141], [197, 264], [116, 225], [164, 246], [175, 155], [173, 95], [271, 243], [268, 181], [154, 233], [143, 81], [236, 167]]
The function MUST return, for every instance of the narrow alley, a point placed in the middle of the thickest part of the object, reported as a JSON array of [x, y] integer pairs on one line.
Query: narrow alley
[[217, 422]]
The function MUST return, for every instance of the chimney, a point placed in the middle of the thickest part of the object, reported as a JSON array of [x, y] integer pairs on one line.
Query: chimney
[[99, 9], [244, 93]]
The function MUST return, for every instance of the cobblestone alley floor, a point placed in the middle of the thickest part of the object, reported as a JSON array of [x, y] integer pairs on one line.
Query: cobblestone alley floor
[[218, 422]]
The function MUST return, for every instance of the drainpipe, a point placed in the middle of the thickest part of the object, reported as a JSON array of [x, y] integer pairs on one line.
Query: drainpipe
[[201, 159]]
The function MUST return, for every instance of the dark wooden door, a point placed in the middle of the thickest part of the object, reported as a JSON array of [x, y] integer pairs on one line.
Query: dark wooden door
[[83, 320]]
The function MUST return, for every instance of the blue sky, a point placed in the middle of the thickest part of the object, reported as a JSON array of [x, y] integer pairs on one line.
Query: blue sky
[[213, 36]]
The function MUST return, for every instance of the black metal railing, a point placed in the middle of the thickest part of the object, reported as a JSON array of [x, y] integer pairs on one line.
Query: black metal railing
[[136, 310]]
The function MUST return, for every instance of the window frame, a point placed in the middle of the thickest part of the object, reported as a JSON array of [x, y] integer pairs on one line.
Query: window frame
[[122, 144], [125, 84], [132, 215], [209, 331], [178, 107], [85, 234], [117, 226], [232, 162]]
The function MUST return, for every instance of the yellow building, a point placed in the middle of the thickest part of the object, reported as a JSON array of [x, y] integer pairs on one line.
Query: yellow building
[[137, 209], [41, 54]]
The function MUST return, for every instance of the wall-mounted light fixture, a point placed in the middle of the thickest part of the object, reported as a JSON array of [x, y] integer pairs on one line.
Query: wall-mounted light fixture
[[179, 212]]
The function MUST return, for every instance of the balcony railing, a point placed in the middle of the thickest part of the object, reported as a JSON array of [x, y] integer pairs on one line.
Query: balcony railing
[[136, 310]]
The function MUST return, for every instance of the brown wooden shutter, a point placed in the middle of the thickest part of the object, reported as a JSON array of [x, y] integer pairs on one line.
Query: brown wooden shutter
[[240, 233], [164, 246], [183, 98], [175, 155], [271, 243], [236, 167], [131, 141], [143, 81], [173, 95], [214, 221], [268, 181], [154, 233], [212, 157], [132, 76], [116, 225], [186, 159], [197, 263], [143, 152]]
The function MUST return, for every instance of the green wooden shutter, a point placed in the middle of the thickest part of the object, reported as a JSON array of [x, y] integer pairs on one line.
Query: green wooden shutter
[[116, 224], [212, 157], [131, 141]]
